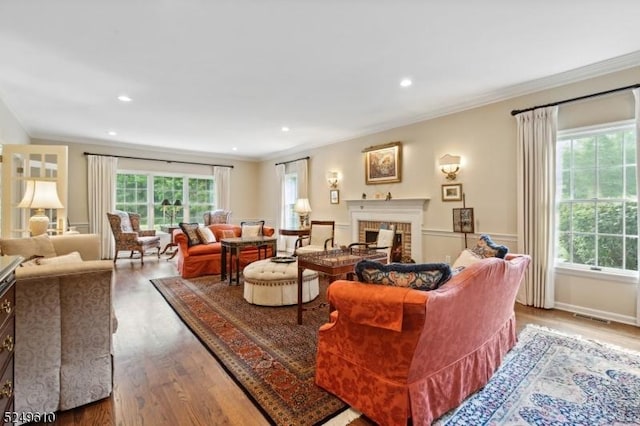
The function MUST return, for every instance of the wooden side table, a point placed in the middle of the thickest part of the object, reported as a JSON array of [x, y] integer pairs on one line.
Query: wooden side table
[[169, 230], [295, 232]]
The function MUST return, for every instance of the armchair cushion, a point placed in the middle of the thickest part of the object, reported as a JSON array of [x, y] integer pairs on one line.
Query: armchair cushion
[[125, 222], [73, 257], [191, 231], [425, 276]]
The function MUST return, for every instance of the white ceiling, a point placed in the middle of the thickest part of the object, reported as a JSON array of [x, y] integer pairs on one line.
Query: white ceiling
[[210, 76]]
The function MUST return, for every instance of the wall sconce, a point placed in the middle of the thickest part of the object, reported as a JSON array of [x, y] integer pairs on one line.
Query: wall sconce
[[40, 195], [166, 204], [332, 179], [450, 166], [303, 208]]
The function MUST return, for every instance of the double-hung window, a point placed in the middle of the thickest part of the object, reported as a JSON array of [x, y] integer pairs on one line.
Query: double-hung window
[[597, 198]]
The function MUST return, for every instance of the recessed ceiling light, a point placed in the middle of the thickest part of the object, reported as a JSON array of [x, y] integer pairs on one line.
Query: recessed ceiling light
[[124, 98], [234, 148], [406, 82], [112, 133], [285, 129]]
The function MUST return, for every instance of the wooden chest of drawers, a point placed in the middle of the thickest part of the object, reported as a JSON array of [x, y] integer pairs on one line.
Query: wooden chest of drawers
[[8, 265]]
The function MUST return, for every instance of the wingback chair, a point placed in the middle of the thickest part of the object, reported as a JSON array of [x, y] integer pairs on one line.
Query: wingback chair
[[128, 235], [217, 216], [384, 242], [320, 238]]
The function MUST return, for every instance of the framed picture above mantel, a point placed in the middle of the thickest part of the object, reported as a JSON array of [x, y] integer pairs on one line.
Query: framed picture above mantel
[[383, 163]]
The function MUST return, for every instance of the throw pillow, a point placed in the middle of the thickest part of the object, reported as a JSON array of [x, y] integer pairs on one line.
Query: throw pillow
[[485, 247], [251, 230], [228, 233], [467, 257], [32, 261], [425, 276], [28, 247], [206, 235], [191, 231], [73, 257]]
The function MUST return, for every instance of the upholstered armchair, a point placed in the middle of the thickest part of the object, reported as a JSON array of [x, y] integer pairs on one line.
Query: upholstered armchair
[[128, 235], [217, 216], [384, 242], [320, 238], [64, 322]]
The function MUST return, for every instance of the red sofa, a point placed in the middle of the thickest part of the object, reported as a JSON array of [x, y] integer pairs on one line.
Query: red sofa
[[205, 259], [395, 353]]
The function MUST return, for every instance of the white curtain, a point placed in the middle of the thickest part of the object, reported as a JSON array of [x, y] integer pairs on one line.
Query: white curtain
[[636, 95], [280, 173], [302, 169], [222, 179], [102, 199], [536, 184]]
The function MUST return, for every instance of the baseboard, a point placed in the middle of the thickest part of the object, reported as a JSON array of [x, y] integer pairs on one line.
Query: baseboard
[[611, 316]]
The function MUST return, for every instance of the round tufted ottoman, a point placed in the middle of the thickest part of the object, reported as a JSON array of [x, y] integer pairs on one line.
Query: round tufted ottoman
[[269, 283]]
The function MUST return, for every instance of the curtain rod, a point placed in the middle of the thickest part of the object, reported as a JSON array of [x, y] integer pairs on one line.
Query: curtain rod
[[579, 98], [293, 161], [155, 159]]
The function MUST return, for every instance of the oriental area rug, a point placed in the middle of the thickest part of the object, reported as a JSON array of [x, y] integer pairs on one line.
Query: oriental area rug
[[268, 354], [551, 378]]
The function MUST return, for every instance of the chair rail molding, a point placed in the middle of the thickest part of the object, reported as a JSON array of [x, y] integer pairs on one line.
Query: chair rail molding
[[400, 210]]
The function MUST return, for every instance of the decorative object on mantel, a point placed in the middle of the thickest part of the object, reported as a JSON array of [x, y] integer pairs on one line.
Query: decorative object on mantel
[[388, 197], [450, 166], [334, 196], [463, 220], [383, 163], [452, 192], [364, 196]]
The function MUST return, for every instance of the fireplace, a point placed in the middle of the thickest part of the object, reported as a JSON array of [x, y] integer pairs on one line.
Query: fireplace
[[407, 214]]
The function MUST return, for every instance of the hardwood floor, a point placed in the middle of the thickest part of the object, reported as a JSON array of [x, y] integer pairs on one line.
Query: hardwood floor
[[164, 376]]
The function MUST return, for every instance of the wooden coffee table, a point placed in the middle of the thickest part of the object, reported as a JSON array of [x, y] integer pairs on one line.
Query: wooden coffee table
[[235, 245], [333, 263]]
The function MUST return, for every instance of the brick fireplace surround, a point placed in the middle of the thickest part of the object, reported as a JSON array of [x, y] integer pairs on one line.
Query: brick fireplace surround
[[407, 213]]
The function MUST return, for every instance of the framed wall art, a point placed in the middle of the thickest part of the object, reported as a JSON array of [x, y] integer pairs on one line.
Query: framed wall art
[[383, 163], [463, 220], [334, 196], [452, 192]]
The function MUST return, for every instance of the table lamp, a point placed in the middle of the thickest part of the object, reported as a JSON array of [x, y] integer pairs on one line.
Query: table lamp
[[303, 208], [40, 195]]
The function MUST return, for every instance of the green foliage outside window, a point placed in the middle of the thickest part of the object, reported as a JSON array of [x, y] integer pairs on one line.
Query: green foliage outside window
[[597, 199], [132, 196], [195, 195]]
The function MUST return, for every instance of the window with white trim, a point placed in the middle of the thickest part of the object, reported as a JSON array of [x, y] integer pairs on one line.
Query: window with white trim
[[597, 198], [143, 193]]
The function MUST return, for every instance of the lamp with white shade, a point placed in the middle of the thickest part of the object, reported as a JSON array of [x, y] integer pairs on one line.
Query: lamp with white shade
[[40, 195], [303, 208]]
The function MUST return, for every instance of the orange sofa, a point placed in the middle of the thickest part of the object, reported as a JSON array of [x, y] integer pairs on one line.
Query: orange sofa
[[205, 259], [395, 353]]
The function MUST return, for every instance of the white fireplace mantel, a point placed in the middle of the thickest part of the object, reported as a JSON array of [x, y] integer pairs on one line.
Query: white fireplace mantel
[[409, 210]]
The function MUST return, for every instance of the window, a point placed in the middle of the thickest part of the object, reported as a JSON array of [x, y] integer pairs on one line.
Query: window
[[196, 194], [596, 198], [290, 196]]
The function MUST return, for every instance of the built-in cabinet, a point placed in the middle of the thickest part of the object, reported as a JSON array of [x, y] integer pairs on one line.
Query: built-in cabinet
[[8, 265]]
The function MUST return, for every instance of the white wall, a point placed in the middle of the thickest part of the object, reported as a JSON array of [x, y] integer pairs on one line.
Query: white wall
[[11, 131], [244, 176], [485, 137]]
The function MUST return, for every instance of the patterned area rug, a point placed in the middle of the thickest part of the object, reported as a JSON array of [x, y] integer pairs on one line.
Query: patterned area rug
[[262, 348], [551, 378]]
